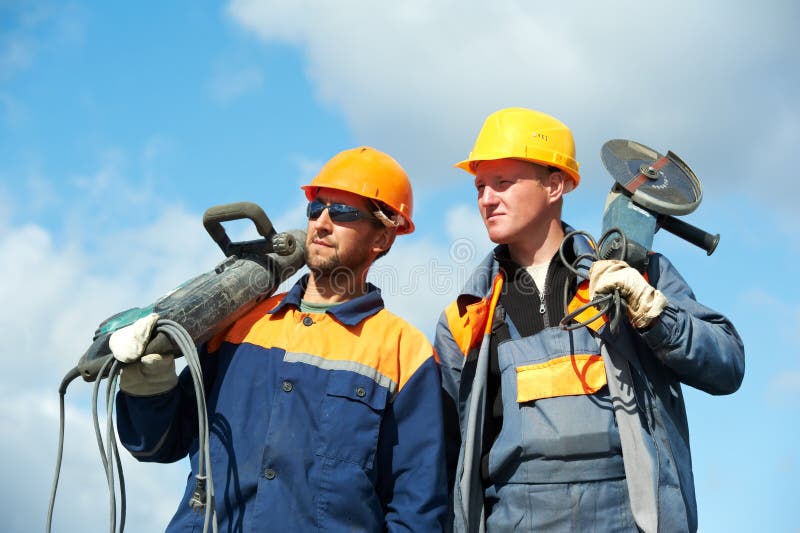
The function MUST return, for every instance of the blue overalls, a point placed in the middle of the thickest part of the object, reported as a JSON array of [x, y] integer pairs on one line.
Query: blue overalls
[[623, 400]]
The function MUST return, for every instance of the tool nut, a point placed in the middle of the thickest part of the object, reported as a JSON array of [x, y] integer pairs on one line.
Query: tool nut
[[283, 244]]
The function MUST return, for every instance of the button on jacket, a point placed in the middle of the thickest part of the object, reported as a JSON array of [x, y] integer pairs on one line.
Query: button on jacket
[[318, 422]]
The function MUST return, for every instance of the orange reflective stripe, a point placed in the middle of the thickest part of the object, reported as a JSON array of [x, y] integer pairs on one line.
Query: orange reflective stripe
[[496, 286], [468, 328], [582, 298], [237, 332], [570, 375], [383, 343]]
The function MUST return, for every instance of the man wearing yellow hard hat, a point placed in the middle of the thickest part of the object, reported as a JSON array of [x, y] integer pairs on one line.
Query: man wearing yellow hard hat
[[551, 429], [325, 407]]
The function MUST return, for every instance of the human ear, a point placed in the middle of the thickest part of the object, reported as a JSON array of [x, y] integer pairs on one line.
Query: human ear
[[557, 185], [383, 240]]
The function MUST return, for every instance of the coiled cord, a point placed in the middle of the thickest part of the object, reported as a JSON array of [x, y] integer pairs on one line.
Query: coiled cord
[[605, 304], [203, 497]]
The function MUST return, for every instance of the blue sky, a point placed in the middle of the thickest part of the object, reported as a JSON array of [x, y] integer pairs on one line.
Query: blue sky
[[120, 125]]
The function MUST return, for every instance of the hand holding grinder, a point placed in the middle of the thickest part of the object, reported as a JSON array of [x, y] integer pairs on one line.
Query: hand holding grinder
[[650, 189]]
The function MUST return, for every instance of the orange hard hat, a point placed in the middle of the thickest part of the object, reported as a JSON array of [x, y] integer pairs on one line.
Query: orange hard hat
[[372, 174]]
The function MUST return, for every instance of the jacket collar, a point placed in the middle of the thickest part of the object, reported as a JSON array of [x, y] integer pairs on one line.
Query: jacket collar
[[349, 313], [480, 283]]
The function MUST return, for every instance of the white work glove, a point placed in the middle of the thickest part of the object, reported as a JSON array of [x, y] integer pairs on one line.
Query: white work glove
[[644, 302], [144, 375]]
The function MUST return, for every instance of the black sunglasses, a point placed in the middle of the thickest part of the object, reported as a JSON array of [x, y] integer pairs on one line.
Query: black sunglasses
[[337, 212]]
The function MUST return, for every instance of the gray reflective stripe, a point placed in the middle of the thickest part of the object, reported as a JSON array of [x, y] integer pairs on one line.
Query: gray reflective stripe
[[350, 366], [640, 465], [470, 512]]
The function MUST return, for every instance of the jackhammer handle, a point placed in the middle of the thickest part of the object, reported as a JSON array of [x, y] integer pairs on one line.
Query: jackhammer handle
[[687, 232], [214, 216]]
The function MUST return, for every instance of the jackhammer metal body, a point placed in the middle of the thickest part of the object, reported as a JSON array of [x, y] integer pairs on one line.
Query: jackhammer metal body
[[212, 301]]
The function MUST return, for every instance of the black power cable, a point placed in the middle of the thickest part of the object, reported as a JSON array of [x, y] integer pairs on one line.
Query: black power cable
[[603, 304]]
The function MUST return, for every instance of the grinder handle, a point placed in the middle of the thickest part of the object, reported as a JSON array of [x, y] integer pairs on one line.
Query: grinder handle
[[687, 232]]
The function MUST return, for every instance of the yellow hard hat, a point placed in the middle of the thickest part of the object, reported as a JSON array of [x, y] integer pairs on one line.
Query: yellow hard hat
[[372, 174], [526, 134]]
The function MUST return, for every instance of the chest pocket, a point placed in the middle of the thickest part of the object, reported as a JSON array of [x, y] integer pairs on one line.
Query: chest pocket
[[568, 375], [554, 363], [557, 408], [352, 411]]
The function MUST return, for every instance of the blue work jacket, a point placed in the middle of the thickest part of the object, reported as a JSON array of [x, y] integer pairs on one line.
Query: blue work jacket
[[317, 422], [689, 343]]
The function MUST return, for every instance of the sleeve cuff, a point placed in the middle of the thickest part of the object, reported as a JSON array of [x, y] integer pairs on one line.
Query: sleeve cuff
[[660, 330]]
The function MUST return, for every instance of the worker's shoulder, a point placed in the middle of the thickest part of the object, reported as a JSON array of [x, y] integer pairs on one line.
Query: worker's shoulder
[[237, 331], [396, 326], [403, 351]]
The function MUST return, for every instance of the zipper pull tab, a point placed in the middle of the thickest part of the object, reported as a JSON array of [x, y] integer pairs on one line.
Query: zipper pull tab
[[541, 308]]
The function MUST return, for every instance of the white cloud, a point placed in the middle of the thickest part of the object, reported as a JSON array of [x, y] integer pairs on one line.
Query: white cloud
[[463, 222], [772, 326], [33, 27], [698, 78], [59, 285], [783, 388], [15, 54], [419, 278], [155, 148], [758, 297], [81, 504], [60, 292], [6, 209], [12, 111], [55, 292], [229, 84], [108, 177], [27, 30], [42, 193]]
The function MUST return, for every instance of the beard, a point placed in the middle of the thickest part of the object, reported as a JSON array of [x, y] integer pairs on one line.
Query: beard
[[323, 267], [319, 265], [339, 272]]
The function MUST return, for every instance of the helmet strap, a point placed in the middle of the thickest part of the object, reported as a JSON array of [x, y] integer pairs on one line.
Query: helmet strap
[[395, 221]]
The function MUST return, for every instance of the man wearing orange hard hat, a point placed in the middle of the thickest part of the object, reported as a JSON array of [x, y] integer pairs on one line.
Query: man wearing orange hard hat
[[557, 429], [326, 407]]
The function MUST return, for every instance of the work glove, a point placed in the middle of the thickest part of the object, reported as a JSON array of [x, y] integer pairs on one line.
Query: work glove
[[143, 375], [644, 302]]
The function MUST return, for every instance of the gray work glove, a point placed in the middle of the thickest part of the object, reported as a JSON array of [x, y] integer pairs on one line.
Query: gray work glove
[[144, 375], [644, 302]]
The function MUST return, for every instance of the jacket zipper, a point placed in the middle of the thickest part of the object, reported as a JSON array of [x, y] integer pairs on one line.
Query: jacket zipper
[[543, 294]]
